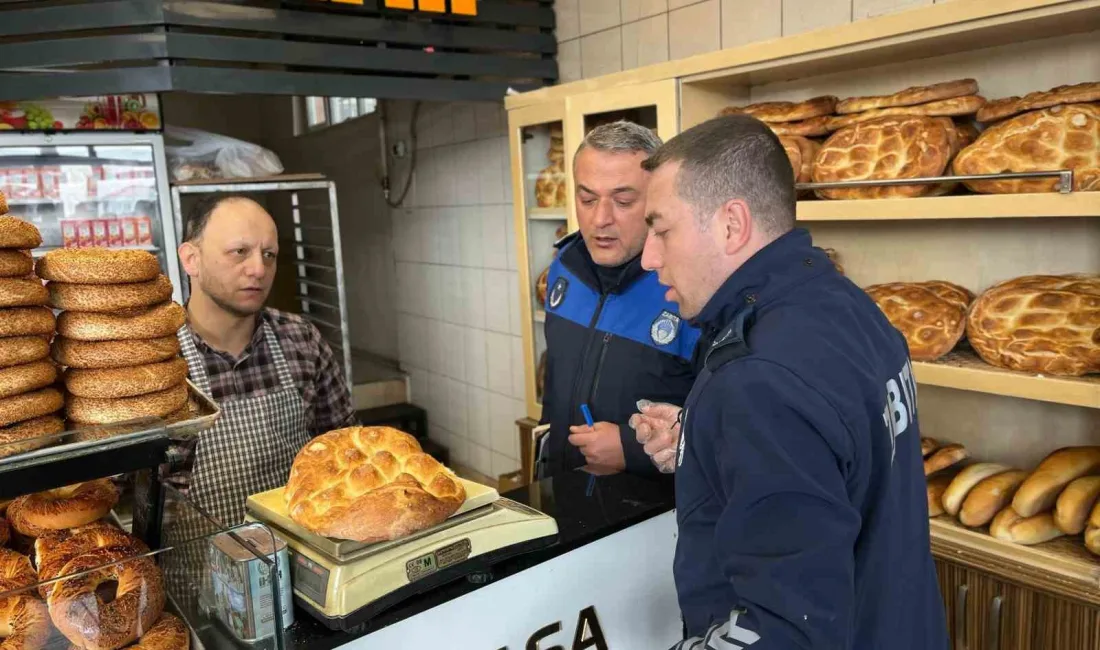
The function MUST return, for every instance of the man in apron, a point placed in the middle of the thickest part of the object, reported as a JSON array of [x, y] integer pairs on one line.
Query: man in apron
[[276, 380]]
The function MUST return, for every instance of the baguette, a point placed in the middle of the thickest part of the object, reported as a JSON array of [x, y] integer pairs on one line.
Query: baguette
[[989, 497], [1092, 540], [1094, 518], [945, 457], [928, 445], [1009, 526], [936, 486], [1075, 503], [965, 481], [1039, 492]]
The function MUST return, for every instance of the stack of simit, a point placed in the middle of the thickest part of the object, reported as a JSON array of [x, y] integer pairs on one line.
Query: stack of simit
[[27, 399], [116, 335]]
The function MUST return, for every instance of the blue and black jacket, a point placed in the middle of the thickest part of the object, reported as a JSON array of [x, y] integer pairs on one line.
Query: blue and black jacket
[[800, 492], [608, 348]]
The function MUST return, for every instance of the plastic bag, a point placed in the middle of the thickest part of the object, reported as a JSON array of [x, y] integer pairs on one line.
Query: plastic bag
[[211, 156]]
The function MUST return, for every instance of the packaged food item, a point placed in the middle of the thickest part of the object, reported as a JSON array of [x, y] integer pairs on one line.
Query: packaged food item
[[239, 592], [69, 237], [84, 233], [114, 232], [99, 233], [144, 231], [129, 231]]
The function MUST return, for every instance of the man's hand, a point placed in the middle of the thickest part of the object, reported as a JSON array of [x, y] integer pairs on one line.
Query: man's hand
[[600, 444], [657, 427]]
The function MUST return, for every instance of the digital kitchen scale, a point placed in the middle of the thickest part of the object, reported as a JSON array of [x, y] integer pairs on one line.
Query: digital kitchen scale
[[344, 584]]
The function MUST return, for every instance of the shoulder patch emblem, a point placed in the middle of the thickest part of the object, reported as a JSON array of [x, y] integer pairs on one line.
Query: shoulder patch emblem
[[665, 328], [557, 293]]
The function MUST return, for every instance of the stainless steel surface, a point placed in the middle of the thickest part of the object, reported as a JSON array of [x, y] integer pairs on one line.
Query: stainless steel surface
[[1065, 180]]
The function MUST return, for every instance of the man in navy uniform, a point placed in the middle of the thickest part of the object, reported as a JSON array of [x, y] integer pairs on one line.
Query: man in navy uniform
[[612, 337], [800, 493]]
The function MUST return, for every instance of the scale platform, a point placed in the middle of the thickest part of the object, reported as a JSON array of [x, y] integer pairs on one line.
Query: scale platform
[[344, 584]]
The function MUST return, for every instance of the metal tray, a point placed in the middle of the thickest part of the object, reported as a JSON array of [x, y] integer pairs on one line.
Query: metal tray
[[204, 412]]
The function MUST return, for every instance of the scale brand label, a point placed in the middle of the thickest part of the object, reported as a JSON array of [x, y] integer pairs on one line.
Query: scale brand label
[[310, 578], [438, 559]]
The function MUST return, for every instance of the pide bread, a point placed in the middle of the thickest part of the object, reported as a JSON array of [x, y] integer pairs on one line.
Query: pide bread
[[155, 322], [109, 297], [965, 481], [106, 383], [26, 321], [957, 295], [16, 233], [786, 111], [27, 377], [113, 354], [932, 325], [945, 457], [999, 109], [910, 96], [87, 410], [989, 497], [885, 148], [1075, 503], [22, 292], [1046, 324], [98, 266], [1040, 490], [811, 128], [30, 405], [18, 350], [1061, 137], [25, 436], [369, 484], [800, 151], [15, 263], [943, 108]]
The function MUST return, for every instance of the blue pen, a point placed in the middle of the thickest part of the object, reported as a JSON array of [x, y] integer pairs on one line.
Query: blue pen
[[591, 477]]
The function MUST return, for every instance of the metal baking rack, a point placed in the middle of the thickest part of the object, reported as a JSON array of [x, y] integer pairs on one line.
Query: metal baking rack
[[1064, 176], [318, 259]]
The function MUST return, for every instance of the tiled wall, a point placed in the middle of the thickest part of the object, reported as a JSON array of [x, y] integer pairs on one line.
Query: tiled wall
[[457, 288], [596, 37]]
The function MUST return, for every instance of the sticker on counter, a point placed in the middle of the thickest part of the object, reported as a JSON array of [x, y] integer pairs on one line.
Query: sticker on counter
[[437, 560]]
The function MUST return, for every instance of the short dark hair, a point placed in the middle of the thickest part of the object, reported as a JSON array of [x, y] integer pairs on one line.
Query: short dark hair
[[733, 156], [199, 214]]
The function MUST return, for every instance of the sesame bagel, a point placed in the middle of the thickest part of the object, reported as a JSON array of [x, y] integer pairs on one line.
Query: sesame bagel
[[3, 204], [30, 405], [22, 292], [27, 321], [17, 233], [159, 321], [98, 266], [27, 436], [109, 297], [35, 515], [108, 383], [86, 410], [15, 263], [113, 354], [15, 380], [17, 350]]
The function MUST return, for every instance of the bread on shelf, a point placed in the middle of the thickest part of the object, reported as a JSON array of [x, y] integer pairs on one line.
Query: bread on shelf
[[931, 316], [911, 96], [778, 112], [1006, 107]]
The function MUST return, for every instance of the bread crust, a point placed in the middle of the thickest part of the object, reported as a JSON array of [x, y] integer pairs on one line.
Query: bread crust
[[369, 484], [27, 321], [800, 152], [98, 266], [1077, 500], [18, 350], [29, 435], [36, 514], [945, 457], [24, 618], [886, 148], [1061, 137], [928, 445], [114, 354], [17, 233], [965, 482], [936, 486], [27, 377], [999, 109], [943, 108], [131, 381], [1045, 324], [989, 497], [22, 292], [30, 405], [156, 322], [811, 128], [776, 112], [55, 549], [1040, 490], [87, 410], [910, 96], [932, 325], [109, 297], [15, 263], [3, 204]]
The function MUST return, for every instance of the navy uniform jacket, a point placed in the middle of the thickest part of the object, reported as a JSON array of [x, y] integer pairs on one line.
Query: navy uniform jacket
[[609, 350], [800, 491]]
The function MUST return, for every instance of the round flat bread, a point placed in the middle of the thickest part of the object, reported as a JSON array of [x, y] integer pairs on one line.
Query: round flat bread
[[17, 233], [1006, 107], [811, 128], [15, 263], [909, 97], [931, 325], [786, 111], [943, 108]]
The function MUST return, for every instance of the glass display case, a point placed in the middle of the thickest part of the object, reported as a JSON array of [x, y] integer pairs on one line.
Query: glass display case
[[92, 189]]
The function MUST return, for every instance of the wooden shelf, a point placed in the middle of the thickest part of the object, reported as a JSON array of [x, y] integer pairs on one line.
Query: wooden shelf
[[975, 206], [965, 371], [1062, 566], [547, 214]]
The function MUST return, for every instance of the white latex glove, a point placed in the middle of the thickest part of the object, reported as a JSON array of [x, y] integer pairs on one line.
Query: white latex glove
[[657, 427]]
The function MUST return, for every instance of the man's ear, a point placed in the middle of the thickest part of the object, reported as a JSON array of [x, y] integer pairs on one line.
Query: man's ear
[[736, 222], [189, 257]]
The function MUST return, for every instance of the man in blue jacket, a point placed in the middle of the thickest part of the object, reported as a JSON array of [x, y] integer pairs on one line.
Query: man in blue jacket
[[612, 337], [800, 493]]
